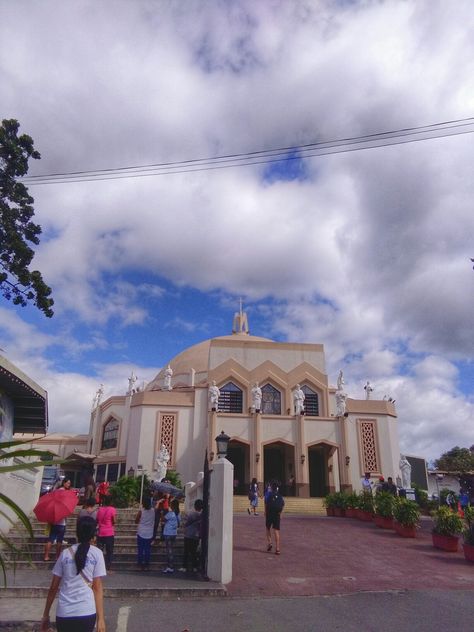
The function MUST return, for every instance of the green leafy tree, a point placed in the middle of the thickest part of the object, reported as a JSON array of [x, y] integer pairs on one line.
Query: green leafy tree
[[17, 230], [456, 460]]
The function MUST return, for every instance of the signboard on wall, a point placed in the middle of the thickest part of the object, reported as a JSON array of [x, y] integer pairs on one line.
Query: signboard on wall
[[419, 475]]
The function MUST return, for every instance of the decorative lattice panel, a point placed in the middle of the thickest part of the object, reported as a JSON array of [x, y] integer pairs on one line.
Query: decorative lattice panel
[[368, 444], [167, 433]]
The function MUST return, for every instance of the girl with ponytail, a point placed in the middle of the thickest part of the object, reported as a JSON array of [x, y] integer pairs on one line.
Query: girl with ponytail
[[77, 574]]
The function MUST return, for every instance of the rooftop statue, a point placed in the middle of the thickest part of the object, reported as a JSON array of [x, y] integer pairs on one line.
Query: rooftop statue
[[214, 393], [298, 400], [167, 381]]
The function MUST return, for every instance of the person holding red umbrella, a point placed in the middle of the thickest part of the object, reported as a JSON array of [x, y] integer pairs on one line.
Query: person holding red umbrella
[[57, 529]]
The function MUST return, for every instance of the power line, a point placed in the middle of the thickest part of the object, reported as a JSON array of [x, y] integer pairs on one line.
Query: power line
[[281, 154]]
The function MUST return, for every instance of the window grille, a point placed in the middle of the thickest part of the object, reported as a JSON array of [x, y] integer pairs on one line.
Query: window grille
[[230, 399], [311, 401]]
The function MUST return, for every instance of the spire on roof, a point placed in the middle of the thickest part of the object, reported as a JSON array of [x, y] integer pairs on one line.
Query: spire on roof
[[241, 323]]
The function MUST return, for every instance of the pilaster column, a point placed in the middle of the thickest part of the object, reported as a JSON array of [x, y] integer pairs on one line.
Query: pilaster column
[[257, 468], [211, 447]]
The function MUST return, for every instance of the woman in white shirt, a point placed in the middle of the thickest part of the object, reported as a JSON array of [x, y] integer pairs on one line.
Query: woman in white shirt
[[146, 531], [77, 574]]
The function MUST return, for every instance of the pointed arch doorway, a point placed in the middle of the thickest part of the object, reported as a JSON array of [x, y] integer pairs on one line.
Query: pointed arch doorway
[[238, 453], [278, 463], [320, 463]]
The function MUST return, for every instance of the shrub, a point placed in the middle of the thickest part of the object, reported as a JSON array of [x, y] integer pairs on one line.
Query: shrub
[[330, 501], [468, 531], [384, 502], [406, 512], [366, 502], [126, 491], [352, 501], [447, 522], [173, 477]]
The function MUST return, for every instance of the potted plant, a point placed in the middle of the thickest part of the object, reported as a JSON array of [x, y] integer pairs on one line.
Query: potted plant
[[340, 503], [384, 502], [407, 517], [366, 507], [468, 533], [448, 525], [330, 502], [352, 505]]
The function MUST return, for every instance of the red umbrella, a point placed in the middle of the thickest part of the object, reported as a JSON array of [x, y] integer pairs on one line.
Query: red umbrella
[[55, 506]]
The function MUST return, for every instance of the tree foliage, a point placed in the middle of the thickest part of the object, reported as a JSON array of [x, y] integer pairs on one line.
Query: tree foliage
[[456, 460], [17, 230]]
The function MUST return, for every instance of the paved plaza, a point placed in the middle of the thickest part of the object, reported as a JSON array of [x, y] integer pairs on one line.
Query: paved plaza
[[333, 573]]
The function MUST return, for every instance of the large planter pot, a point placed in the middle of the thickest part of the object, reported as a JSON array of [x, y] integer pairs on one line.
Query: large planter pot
[[329, 511], [445, 542], [383, 522], [339, 512], [405, 532], [468, 552], [365, 516], [351, 512]]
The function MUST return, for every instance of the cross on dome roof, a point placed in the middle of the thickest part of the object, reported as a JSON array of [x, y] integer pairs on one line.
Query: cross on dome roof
[[241, 323]]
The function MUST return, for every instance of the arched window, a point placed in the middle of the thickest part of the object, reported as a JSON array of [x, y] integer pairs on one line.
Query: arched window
[[311, 401], [230, 399], [110, 435], [271, 400]]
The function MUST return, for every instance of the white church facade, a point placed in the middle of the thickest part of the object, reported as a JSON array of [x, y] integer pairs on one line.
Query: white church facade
[[313, 443]]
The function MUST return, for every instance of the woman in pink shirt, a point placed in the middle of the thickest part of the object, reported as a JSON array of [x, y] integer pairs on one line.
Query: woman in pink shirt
[[106, 529]]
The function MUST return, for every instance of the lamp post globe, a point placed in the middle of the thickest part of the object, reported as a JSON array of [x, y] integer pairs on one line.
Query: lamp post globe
[[222, 442]]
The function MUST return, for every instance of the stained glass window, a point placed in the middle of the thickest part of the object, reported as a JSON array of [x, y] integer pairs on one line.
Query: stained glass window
[[271, 400], [110, 435]]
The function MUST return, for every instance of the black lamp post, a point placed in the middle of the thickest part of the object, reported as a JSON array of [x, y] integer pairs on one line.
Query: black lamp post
[[222, 442], [131, 472]]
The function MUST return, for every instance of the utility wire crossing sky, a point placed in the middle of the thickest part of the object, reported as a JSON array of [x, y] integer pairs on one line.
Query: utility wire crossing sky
[[295, 152]]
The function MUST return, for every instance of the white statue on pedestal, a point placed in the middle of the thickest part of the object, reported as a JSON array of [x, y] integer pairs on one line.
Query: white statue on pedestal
[[368, 390], [256, 397], [340, 381], [131, 383], [340, 403], [340, 396], [167, 381], [405, 469], [162, 459], [298, 400], [98, 396], [213, 395]]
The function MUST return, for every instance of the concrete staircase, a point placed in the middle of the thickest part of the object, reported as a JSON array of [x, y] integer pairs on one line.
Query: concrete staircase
[[125, 549], [293, 505]]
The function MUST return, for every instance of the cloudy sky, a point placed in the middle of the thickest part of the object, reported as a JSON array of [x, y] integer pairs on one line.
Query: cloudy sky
[[367, 252]]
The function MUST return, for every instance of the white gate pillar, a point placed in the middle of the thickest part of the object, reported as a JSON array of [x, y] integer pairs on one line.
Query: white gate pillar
[[221, 515]]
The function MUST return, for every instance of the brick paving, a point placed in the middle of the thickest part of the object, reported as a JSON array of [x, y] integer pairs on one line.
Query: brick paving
[[327, 556]]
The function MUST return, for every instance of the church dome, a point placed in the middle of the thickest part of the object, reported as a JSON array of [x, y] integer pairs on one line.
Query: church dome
[[197, 357]]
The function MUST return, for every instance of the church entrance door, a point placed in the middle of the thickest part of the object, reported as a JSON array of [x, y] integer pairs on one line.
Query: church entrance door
[[318, 471], [278, 460], [239, 455]]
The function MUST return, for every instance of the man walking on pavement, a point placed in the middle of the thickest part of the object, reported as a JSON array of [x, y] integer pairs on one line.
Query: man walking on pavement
[[274, 504]]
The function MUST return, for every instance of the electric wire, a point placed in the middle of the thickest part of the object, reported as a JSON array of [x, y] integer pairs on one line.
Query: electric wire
[[281, 154]]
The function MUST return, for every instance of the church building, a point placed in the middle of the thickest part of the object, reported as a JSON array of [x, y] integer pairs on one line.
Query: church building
[[275, 402]]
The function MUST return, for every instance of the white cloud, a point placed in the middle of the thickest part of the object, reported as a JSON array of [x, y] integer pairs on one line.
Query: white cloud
[[369, 253]]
